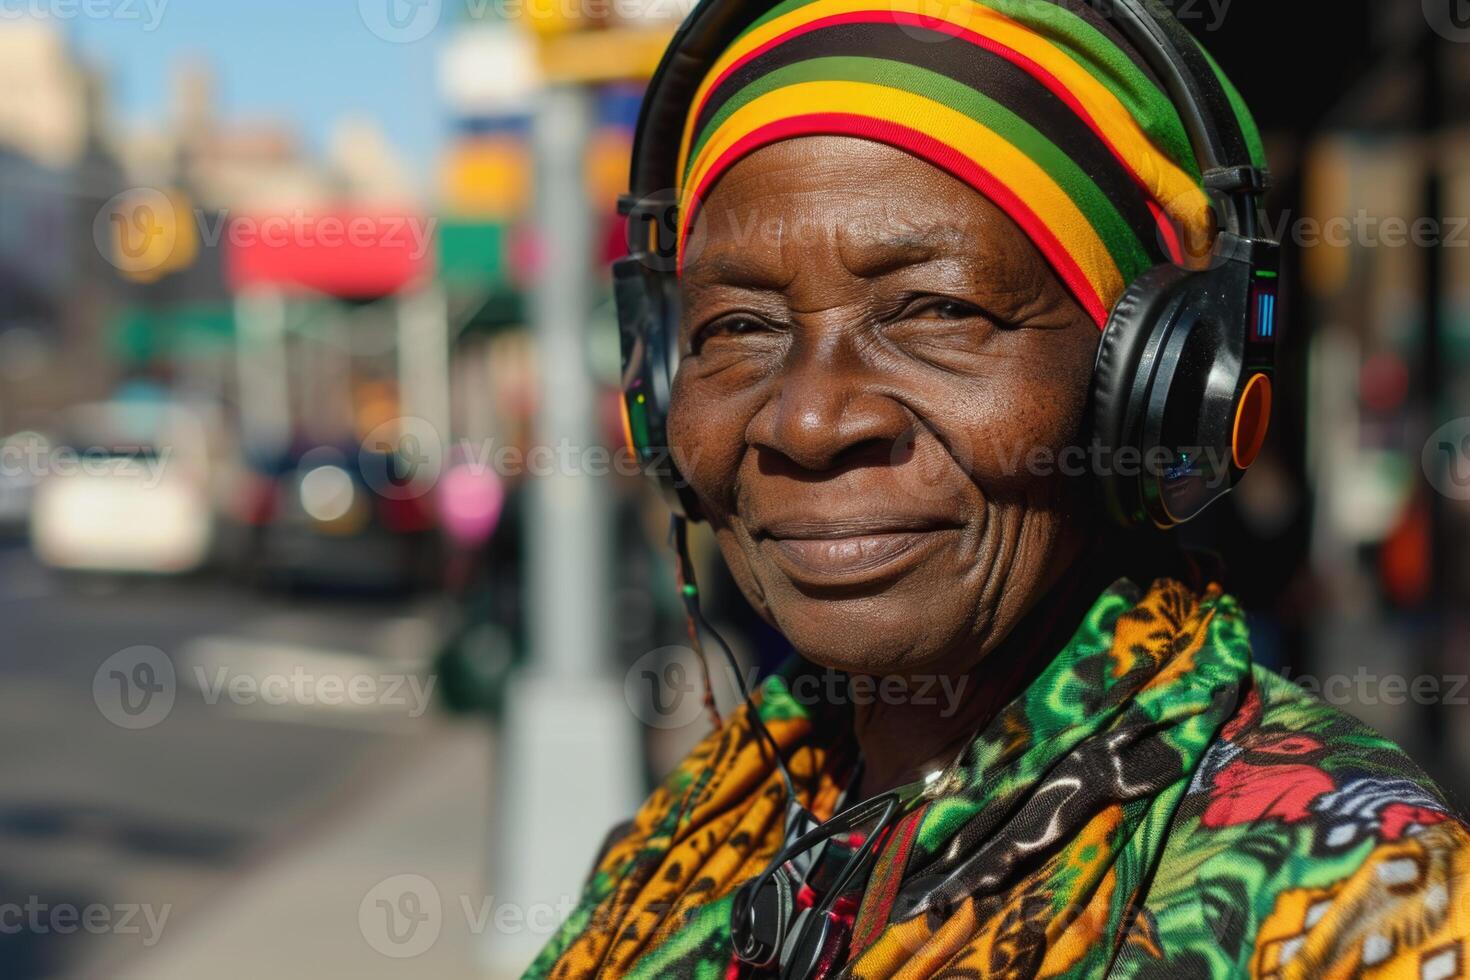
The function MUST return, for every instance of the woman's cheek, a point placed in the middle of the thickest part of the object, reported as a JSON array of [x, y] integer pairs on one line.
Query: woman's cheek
[[1037, 419], [991, 430], [705, 442]]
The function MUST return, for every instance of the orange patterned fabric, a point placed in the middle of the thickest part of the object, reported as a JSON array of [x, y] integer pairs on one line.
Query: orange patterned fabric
[[1150, 806]]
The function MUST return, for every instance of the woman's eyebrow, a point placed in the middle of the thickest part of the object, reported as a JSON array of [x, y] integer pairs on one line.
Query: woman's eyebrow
[[736, 269], [888, 250], [928, 236]]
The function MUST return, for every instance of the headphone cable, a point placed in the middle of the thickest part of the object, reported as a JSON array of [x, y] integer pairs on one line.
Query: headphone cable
[[689, 593]]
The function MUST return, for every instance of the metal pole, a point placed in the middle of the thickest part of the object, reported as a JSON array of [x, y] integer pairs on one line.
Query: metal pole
[[570, 527], [423, 358], [571, 759], [263, 380], [423, 379], [1434, 722]]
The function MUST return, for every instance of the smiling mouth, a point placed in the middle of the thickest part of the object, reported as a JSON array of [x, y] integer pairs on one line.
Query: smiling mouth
[[845, 556]]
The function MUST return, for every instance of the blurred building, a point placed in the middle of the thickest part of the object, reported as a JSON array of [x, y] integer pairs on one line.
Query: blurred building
[[258, 166], [1346, 552], [43, 94], [55, 173]]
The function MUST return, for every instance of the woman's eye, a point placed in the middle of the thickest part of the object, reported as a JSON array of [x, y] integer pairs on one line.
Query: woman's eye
[[730, 326], [942, 309], [949, 310]]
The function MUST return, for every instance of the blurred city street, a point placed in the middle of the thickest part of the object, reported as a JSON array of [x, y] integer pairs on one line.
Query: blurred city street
[[190, 813], [269, 386]]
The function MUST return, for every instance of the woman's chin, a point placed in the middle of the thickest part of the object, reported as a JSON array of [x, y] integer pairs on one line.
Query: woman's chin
[[891, 632]]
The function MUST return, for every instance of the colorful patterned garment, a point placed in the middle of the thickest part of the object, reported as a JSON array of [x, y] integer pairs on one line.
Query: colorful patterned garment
[[1150, 806], [1042, 108]]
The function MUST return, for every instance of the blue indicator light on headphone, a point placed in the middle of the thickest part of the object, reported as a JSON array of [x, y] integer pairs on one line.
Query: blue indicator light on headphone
[[1263, 311]]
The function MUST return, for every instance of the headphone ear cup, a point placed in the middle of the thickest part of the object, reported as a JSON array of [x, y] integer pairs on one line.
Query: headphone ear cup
[[1167, 394], [647, 304], [1119, 393]]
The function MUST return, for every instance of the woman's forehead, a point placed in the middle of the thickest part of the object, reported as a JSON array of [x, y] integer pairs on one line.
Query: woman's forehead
[[872, 205], [866, 204]]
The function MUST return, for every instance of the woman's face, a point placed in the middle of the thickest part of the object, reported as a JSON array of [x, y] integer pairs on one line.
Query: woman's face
[[876, 363]]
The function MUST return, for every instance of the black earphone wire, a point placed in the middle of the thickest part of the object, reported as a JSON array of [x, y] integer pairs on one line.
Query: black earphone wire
[[698, 624]]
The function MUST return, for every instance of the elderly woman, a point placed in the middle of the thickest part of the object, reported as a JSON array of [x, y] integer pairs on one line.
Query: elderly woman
[[919, 254]]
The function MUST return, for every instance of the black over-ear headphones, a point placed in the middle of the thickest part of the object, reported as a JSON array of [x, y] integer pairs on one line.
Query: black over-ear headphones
[[1182, 385]]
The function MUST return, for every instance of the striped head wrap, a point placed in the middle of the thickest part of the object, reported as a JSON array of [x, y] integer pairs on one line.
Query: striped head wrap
[[1043, 108]]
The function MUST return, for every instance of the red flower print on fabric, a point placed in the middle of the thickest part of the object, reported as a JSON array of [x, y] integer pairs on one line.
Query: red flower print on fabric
[[1244, 793], [1281, 743], [1247, 715], [1396, 818]]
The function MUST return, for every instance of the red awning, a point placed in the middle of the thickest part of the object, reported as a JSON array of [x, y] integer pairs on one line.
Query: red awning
[[352, 255]]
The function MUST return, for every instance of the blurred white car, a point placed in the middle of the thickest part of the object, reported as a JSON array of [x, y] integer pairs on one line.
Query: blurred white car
[[18, 480], [130, 494]]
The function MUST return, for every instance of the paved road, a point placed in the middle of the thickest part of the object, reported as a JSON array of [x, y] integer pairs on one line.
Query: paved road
[[101, 825]]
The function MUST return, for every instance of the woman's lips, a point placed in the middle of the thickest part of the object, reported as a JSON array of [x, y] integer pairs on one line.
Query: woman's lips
[[844, 555]]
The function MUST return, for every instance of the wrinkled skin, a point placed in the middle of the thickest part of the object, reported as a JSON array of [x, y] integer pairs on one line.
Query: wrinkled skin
[[870, 350]]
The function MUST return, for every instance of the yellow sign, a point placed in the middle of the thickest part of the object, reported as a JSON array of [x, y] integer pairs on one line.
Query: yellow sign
[[150, 233], [489, 177], [612, 55]]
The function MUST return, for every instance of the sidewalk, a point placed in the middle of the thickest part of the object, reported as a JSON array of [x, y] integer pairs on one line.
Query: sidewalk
[[389, 884]]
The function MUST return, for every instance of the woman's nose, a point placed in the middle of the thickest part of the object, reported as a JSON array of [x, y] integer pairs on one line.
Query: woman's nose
[[826, 412]]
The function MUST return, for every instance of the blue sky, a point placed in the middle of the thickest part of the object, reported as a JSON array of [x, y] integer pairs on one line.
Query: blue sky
[[305, 61]]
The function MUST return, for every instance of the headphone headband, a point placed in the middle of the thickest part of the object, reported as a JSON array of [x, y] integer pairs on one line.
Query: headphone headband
[[1188, 78]]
